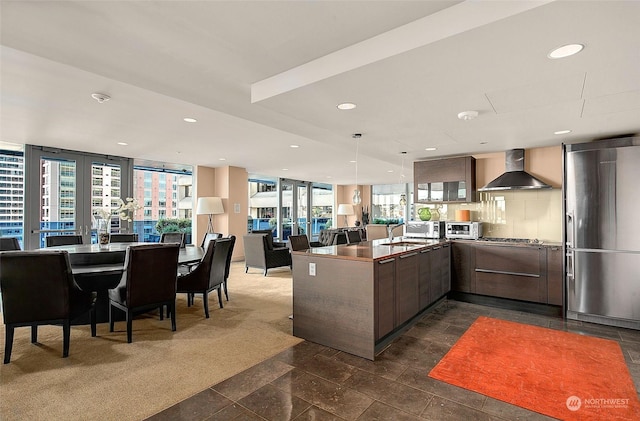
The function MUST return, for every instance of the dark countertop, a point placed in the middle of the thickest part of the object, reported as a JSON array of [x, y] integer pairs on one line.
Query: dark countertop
[[488, 241], [372, 250]]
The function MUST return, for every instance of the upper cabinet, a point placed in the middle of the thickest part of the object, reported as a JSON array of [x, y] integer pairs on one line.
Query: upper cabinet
[[445, 180]]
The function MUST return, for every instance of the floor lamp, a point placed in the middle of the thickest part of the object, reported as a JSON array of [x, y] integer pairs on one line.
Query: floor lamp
[[345, 209], [209, 206]]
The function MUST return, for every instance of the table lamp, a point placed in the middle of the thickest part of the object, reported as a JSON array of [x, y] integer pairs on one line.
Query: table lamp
[[209, 206], [345, 209]]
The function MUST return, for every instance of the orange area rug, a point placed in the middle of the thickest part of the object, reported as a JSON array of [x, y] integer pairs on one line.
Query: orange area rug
[[559, 374]]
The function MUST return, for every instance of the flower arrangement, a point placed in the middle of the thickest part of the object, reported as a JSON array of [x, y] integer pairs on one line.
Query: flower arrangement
[[124, 212]]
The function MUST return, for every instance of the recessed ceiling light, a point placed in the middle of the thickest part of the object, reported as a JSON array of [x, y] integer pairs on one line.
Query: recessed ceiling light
[[285, 169], [222, 159], [346, 106], [430, 149], [468, 115], [562, 132], [389, 170], [122, 143], [294, 146], [190, 120], [565, 51], [353, 161]]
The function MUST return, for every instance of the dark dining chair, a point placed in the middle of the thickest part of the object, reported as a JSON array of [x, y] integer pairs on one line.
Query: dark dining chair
[[173, 237], [148, 282], [63, 240], [38, 288], [299, 242], [228, 265], [123, 238], [207, 277], [208, 237], [9, 243]]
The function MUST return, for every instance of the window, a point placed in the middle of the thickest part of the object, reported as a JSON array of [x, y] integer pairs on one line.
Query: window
[[385, 203]]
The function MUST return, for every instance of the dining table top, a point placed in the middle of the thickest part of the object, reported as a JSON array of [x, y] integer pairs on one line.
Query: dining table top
[[93, 258]]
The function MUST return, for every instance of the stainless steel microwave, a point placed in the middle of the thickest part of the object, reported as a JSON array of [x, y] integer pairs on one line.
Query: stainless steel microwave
[[464, 230], [424, 229]]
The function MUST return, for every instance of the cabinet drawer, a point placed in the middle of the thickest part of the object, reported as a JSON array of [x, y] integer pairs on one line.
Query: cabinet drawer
[[526, 288], [524, 260]]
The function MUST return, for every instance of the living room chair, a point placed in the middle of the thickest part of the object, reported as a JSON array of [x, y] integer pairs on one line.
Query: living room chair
[[123, 238], [9, 243], [37, 288], [259, 252], [353, 237], [208, 275], [299, 242], [148, 282], [173, 237], [63, 240]]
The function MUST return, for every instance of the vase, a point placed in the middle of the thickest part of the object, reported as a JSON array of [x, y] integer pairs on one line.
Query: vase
[[103, 233], [424, 214]]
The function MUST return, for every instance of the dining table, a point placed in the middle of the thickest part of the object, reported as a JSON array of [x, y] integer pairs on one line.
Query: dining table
[[99, 268]]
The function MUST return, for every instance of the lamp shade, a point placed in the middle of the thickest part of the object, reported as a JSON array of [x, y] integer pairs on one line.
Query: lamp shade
[[345, 209], [209, 206]]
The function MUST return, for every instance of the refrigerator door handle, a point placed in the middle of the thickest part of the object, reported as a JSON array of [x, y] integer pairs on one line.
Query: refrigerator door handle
[[570, 230], [570, 258]]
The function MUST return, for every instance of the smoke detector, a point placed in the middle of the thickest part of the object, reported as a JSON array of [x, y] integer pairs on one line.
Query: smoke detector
[[467, 115], [100, 97]]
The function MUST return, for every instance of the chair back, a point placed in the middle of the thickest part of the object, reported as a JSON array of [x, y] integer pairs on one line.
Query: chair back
[[353, 236], [35, 285], [340, 238], [123, 238], [151, 273], [221, 252], [208, 237], [228, 266], [9, 243], [298, 242], [172, 237], [63, 240], [255, 246]]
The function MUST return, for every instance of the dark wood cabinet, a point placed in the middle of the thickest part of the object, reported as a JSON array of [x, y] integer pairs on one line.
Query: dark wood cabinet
[[518, 273], [385, 274], [463, 267], [445, 268], [424, 277], [407, 287], [555, 277], [445, 180]]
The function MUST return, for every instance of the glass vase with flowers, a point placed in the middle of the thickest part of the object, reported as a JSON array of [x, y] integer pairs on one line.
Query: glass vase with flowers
[[124, 212]]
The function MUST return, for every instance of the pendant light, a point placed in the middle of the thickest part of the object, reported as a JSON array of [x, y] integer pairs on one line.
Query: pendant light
[[356, 199], [403, 196]]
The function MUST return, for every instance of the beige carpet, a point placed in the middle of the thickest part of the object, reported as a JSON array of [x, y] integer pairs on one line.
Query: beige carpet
[[105, 378]]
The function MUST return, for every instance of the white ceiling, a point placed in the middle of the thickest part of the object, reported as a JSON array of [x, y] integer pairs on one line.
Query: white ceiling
[[410, 66]]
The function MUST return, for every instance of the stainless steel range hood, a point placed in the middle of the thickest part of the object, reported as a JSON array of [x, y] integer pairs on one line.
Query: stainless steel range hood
[[515, 177]]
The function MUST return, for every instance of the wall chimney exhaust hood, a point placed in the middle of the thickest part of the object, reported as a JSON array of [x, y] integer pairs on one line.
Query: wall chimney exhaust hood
[[515, 177]]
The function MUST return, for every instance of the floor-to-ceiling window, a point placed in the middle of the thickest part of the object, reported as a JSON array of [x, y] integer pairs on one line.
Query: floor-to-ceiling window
[[11, 190], [289, 206]]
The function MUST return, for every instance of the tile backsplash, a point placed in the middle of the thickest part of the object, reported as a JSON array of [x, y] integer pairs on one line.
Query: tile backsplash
[[533, 214]]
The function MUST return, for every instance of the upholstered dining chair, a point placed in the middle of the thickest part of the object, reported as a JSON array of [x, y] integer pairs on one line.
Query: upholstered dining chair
[[123, 238], [37, 288], [228, 265], [63, 240], [148, 282], [172, 237], [9, 243], [208, 237], [207, 277], [299, 242]]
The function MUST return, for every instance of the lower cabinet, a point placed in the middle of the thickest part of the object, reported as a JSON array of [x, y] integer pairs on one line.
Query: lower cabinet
[[407, 287], [463, 267], [385, 277]]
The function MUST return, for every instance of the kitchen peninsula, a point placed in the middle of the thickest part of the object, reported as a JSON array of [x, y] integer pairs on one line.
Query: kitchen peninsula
[[358, 297]]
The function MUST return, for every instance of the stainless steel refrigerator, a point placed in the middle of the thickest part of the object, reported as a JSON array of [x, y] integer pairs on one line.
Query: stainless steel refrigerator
[[602, 231]]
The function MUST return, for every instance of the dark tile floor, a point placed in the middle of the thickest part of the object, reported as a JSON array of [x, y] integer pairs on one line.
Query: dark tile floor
[[313, 382]]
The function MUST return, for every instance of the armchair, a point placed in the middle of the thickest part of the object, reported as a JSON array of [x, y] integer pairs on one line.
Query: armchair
[[259, 252]]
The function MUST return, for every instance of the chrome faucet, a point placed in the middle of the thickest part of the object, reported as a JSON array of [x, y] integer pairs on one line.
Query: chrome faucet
[[390, 229]]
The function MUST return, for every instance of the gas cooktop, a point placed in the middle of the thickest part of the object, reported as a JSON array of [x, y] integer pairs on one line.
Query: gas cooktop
[[511, 240]]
